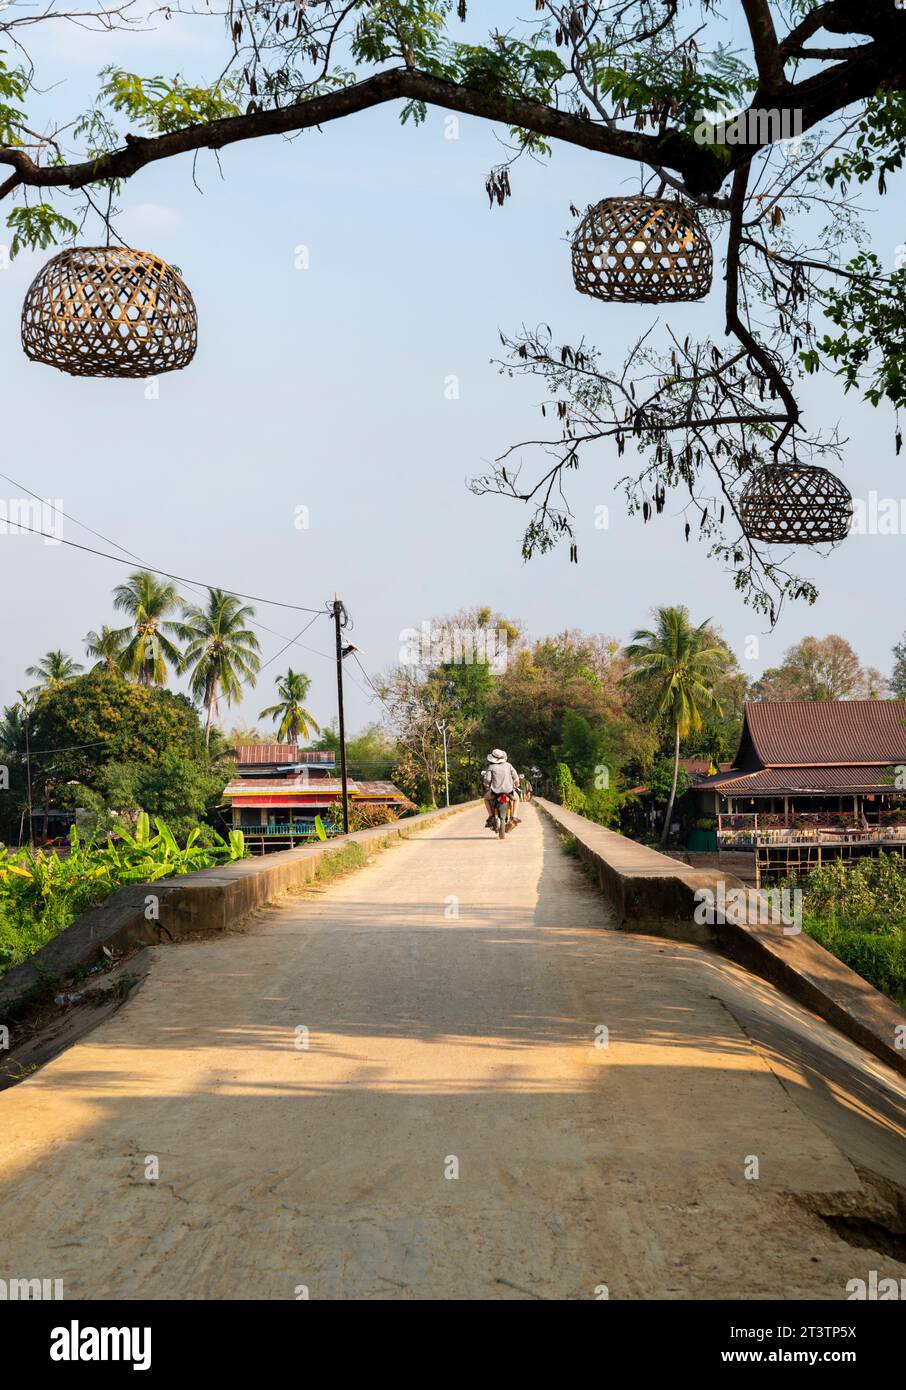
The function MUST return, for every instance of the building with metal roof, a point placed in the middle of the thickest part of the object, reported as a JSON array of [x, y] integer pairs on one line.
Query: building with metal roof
[[821, 770], [280, 789]]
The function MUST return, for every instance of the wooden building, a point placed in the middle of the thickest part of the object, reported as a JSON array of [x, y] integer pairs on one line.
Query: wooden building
[[812, 781], [280, 788]]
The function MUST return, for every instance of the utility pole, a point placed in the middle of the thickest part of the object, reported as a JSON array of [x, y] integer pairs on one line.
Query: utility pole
[[442, 726], [341, 620], [27, 712]]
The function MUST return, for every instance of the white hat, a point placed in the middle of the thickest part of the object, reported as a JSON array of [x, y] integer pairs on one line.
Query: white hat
[[497, 755]]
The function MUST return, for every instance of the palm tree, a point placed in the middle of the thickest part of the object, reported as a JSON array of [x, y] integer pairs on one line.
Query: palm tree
[[222, 653], [107, 647], [12, 730], [14, 743], [53, 669], [293, 719], [675, 666], [146, 649]]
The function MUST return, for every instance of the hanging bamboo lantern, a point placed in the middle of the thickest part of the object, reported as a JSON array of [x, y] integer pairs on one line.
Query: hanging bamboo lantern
[[641, 251], [795, 504], [109, 311]]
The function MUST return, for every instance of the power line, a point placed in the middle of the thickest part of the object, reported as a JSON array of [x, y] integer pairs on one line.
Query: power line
[[70, 748], [179, 578], [192, 585], [372, 686], [198, 588], [68, 517], [293, 641]]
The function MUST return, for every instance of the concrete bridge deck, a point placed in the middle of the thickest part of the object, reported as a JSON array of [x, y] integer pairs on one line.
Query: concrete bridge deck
[[454, 992]]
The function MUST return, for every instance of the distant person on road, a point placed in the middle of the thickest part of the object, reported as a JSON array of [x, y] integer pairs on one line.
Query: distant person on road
[[499, 776], [526, 788]]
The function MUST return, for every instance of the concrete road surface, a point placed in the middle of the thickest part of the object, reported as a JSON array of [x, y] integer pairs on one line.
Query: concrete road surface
[[453, 1128]]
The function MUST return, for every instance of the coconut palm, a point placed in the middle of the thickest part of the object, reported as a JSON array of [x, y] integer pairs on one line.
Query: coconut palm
[[14, 743], [106, 647], [12, 729], [221, 652], [289, 714], [53, 669], [146, 648], [674, 669]]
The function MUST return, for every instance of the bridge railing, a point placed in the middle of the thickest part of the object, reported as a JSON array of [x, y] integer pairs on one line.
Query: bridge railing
[[748, 829]]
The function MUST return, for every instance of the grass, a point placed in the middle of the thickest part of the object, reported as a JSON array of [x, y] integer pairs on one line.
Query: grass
[[858, 913], [341, 862]]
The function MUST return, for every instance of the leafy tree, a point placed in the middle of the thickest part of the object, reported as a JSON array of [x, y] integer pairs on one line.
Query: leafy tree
[[570, 796], [82, 726], [563, 700], [675, 666], [605, 805], [898, 676], [579, 746], [181, 790], [53, 669], [221, 652], [415, 703], [146, 647], [370, 754], [289, 714], [652, 84], [820, 668], [448, 677], [662, 788]]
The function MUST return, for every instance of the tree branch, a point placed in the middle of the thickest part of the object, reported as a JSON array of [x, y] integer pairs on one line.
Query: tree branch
[[768, 57], [701, 171], [735, 324]]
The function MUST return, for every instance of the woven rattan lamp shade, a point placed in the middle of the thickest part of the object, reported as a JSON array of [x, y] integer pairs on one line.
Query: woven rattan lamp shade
[[796, 504], [641, 251], [109, 311]]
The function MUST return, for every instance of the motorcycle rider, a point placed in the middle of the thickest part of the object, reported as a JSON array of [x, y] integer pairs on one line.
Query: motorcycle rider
[[499, 776]]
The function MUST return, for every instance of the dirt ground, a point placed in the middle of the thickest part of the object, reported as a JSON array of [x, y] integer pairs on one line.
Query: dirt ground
[[395, 1087]]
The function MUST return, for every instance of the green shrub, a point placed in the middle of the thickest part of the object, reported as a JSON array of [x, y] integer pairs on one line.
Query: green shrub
[[878, 956], [572, 797], [42, 894], [858, 912]]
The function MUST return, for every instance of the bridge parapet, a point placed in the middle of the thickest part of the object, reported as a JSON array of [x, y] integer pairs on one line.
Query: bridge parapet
[[653, 893]]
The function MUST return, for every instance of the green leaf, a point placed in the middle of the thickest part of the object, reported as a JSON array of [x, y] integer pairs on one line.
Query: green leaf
[[38, 226]]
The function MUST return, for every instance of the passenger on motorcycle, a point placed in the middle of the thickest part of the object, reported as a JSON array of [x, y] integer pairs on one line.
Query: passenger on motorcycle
[[499, 776]]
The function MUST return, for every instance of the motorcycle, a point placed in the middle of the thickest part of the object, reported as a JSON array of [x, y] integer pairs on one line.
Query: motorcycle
[[504, 810]]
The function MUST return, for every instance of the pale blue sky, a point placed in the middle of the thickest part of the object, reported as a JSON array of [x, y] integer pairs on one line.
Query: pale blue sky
[[325, 389]]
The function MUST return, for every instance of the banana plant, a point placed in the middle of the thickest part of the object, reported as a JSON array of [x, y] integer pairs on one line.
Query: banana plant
[[42, 894]]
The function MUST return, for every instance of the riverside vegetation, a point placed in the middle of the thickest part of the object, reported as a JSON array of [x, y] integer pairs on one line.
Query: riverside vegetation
[[41, 894], [858, 912]]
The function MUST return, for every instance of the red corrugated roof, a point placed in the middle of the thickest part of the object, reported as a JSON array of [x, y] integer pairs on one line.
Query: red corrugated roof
[[821, 733], [253, 754], [261, 754], [771, 780], [281, 788]]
